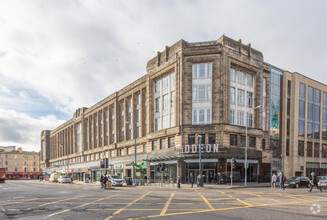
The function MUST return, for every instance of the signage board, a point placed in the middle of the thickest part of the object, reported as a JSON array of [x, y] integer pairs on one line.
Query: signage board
[[205, 148]]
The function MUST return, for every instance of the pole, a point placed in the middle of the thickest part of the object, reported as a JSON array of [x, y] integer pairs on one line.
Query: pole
[[231, 172], [246, 153], [200, 162], [134, 167]]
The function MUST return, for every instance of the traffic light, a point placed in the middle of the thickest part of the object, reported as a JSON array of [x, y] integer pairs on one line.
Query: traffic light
[[159, 167], [133, 164], [233, 163]]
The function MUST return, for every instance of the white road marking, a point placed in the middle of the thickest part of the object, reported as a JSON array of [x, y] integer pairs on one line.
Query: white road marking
[[3, 209]]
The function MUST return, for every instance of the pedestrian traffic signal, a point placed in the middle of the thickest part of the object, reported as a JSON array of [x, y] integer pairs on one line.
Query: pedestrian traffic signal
[[233, 163]]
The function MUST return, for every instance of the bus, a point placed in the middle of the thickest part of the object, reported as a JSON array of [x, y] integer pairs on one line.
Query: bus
[[2, 175]]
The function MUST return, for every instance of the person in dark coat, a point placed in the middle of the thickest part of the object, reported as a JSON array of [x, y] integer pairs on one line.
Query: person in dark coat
[[191, 179], [101, 181], [314, 182], [105, 180], [179, 182]]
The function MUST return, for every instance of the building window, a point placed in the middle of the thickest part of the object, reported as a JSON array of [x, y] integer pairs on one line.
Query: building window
[[249, 80], [309, 149], [233, 140], [240, 77], [145, 149], [232, 95], [162, 143], [171, 142], [316, 150], [242, 141], [287, 147], [154, 145], [232, 117], [249, 120], [212, 138], [138, 149], [191, 139], [240, 97], [252, 142], [232, 74], [202, 137], [16, 169], [112, 153], [263, 144], [301, 128], [240, 118], [323, 151], [129, 150], [249, 99]]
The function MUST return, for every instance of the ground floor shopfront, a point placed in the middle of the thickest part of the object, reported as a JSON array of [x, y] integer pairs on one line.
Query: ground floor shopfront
[[169, 165], [22, 175]]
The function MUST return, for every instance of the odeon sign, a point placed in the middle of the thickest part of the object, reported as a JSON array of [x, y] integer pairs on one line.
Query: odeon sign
[[205, 148]]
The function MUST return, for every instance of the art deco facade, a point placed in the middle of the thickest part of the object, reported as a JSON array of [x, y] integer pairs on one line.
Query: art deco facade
[[206, 92]]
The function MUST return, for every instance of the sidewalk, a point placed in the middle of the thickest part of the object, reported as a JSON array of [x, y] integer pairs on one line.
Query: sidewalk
[[188, 186]]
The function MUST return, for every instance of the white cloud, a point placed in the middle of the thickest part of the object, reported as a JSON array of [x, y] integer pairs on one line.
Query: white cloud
[[57, 56], [21, 130]]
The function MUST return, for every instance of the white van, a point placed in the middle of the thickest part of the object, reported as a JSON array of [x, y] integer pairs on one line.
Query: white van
[[54, 177]]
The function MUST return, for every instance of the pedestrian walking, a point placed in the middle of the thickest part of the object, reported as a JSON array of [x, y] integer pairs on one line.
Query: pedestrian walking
[[282, 181], [71, 179], [179, 182], [219, 178], [314, 182], [273, 181], [146, 180], [101, 181], [191, 179], [105, 180]]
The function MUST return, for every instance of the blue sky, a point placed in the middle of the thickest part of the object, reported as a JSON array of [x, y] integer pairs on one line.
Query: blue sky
[[57, 56]]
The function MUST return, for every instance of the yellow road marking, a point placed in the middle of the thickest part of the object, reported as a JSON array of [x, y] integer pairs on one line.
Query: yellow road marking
[[230, 208], [167, 204], [88, 203], [48, 203], [252, 194], [243, 202], [224, 193], [140, 209], [128, 205], [205, 200]]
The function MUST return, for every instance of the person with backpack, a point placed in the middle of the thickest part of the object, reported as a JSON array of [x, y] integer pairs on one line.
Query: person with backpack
[[314, 182], [282, 181], [105, 180], [101, 181]]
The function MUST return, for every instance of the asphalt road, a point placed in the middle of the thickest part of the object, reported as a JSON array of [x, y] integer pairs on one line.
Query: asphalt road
[[40, 200]]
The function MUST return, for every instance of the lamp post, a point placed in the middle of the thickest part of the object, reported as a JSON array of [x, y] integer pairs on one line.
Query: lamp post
[[200, 161], [134, 134], [246, 146]]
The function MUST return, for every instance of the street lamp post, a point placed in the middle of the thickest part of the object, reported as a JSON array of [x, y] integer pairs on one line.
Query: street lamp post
[[246, 146], [200, 161], [134, 134]]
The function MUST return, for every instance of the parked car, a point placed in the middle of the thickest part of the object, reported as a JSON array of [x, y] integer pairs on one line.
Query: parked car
[[64, 179], [297, 182], [322, 181], [115, 180], [54, 177]]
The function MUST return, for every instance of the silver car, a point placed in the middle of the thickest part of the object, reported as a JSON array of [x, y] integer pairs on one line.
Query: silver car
[[115, 180], [322, 181], [64, 179]]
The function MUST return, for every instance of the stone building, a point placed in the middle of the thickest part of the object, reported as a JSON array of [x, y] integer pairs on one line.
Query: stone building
[[19, 164], [203, 93], [304, 125]]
